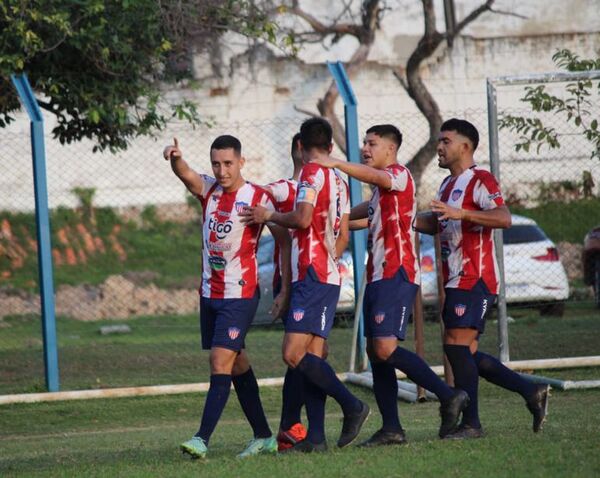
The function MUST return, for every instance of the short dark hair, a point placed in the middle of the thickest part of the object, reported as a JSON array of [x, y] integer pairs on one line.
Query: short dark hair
[[227, 141], [295, 140], [464, 128], [388, 131], [316, 133]]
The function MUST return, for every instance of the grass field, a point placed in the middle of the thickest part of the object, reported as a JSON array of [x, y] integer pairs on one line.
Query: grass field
[[163, 350], [140, 437]]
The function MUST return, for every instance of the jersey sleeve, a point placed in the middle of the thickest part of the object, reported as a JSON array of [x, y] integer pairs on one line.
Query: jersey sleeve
[[207, 184], [279, 190], [487, 194], [399, 178], [311, 182]]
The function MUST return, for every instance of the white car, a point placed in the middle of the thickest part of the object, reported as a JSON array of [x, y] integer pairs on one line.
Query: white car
[[532, 270]]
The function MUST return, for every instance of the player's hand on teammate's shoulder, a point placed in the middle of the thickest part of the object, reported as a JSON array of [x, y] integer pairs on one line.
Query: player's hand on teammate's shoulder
[[172, 151], [326, 162]]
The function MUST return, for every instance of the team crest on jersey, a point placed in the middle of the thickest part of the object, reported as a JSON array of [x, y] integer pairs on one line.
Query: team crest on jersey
[[240, 205], [298, 314], [456, 194], [379, 318], [460, 309], [233, 333]]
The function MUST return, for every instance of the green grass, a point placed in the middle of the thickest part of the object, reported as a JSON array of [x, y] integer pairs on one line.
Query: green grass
[[565, 221], [163, 350], [140, 437]]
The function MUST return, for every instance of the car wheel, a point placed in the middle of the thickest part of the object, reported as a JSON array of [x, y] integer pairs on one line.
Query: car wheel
[[556, 309], [597, 282]]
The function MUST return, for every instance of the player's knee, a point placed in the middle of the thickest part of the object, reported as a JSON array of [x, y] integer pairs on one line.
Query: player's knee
[[381, 351], [292, 357]]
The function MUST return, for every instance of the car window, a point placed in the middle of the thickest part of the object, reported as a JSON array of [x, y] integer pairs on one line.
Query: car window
[[522, 233], [266, 247]]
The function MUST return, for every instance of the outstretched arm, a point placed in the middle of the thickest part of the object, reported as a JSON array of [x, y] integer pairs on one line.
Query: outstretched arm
[[362, 172], [187, 175], [299, 218], [426, 222]]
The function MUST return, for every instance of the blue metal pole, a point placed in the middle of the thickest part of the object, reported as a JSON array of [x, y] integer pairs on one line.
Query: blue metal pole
[[42, 221], [359, 239]]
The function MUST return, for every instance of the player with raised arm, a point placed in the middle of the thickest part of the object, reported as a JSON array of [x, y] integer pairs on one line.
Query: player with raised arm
[[393, 277], [320, 223], [468, 206], [229, 290]]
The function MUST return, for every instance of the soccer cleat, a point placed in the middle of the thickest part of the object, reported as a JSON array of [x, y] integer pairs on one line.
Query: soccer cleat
[[465, 432], [384, 437], [288, 438], [306, 446], [256, 446], [538, 406], [450, 412], [195, 447], [352, 425]]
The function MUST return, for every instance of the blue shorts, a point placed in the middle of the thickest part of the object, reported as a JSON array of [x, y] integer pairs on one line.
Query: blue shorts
[[312, 306], [388, 305], [467, 308], [225, 322]]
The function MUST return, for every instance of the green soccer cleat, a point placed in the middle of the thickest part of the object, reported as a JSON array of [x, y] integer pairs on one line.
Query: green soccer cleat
[[258, 446], [195, 447]]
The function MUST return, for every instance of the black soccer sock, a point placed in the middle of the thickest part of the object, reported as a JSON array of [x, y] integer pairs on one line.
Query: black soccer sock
[[322, 375], [292, 398], [385, 388], [246, 389], [417, 370], [466, 377], [496, 372], [315, 411], [216, 398]]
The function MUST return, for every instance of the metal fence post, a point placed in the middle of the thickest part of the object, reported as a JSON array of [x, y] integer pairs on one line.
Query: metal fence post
[[353, 152], [42, 221], [503, 349]]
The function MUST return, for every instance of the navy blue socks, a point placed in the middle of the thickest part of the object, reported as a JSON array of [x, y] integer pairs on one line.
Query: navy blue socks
[[246, 389], [292, 398], [315, 411], [217, 396], [497, 373], [385, 388], [466, 377], [321, 374], [417, 370]]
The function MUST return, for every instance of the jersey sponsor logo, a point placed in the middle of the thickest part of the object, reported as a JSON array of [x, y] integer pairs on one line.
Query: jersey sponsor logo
[[218, 246], [379, 317], [456, 194], [221, 229], [240, 205], [495, 195], [323, 318], [224, 213], [233, 332], [298, 314], [460, 309], [217, 263]]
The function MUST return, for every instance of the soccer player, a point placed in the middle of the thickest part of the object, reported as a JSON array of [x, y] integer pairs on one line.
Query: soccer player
[[229, 291], [393, 277], [320, 223], [468, 206], [291, 430]]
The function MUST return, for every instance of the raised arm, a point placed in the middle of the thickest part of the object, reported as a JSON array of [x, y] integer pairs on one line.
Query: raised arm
[[187, 175], [362, 172]]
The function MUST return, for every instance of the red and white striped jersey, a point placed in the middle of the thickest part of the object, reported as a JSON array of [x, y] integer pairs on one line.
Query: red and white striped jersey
[[391, 242], [315, 246], [229, 247], [284, 195], [467, 248]]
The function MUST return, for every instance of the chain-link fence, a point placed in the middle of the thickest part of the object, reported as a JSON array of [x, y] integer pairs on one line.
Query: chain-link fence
[[126, 248]]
